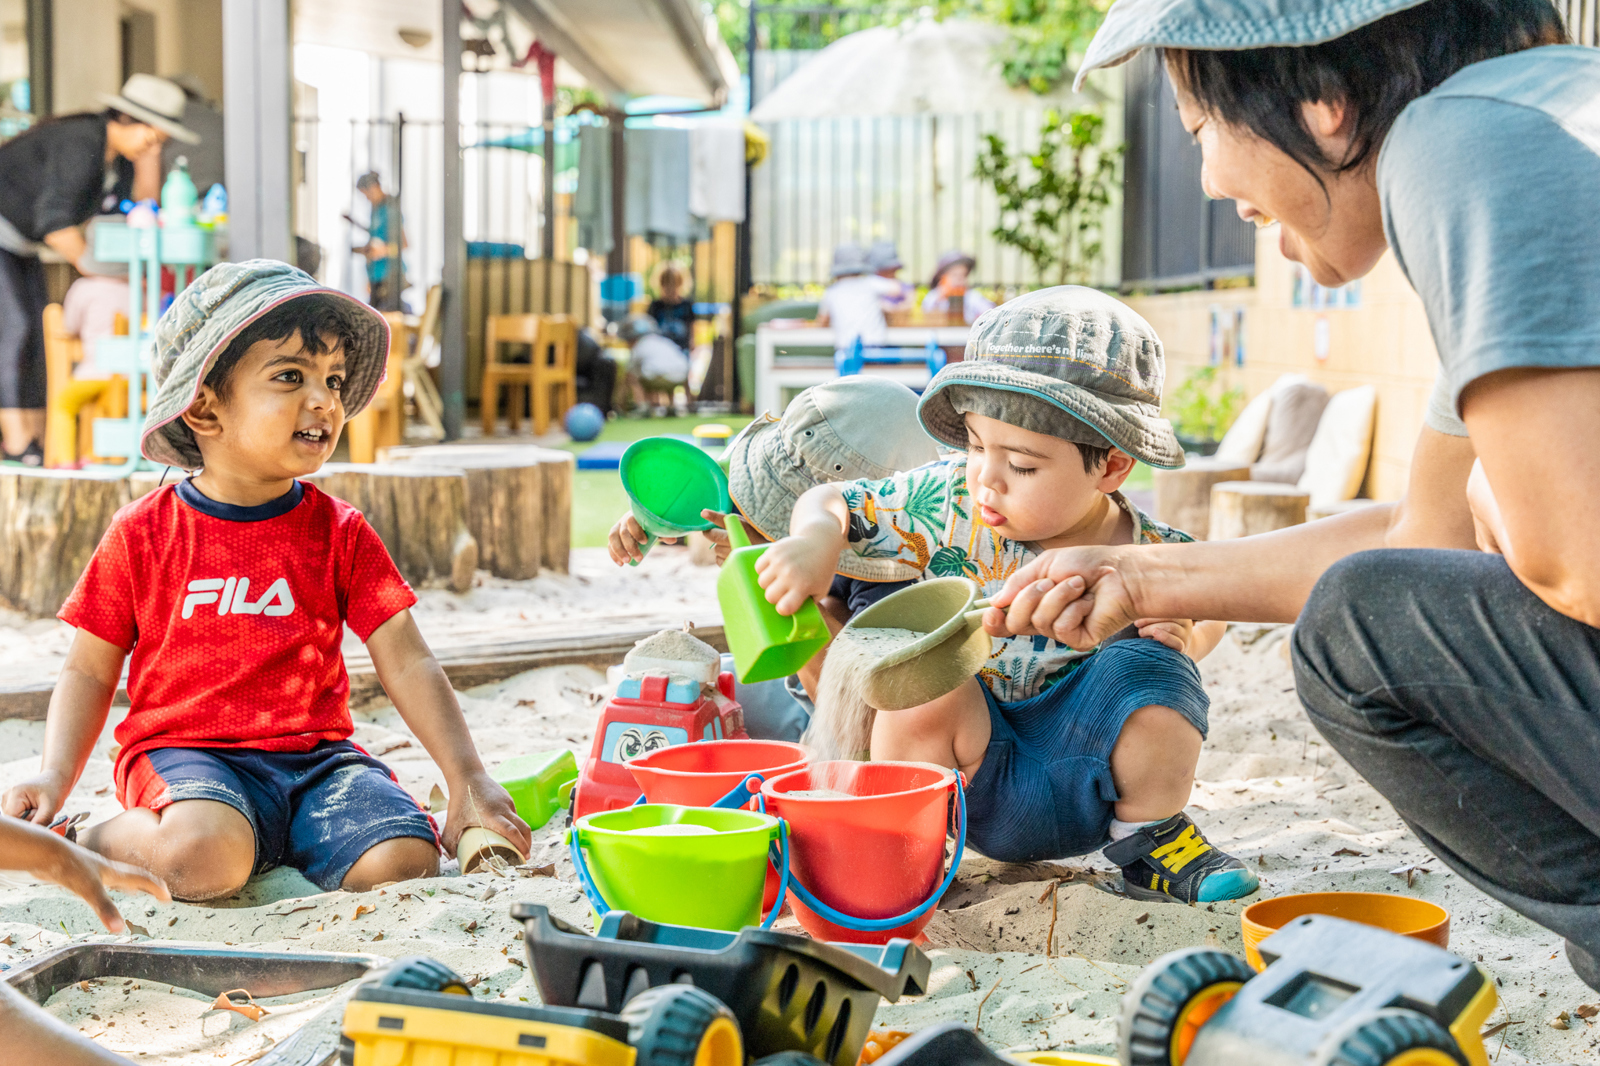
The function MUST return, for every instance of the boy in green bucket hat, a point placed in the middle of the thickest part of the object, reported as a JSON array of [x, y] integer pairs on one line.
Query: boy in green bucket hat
[[1066, 751], [231, 590]]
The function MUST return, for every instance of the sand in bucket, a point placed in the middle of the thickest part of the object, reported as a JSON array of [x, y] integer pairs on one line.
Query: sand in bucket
[[841, 728]]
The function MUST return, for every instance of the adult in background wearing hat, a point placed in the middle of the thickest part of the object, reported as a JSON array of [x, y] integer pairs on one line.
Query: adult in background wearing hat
[[53, 179], [853, 305], [656, 366], [1445, 645], [884, 259], [950, 277]]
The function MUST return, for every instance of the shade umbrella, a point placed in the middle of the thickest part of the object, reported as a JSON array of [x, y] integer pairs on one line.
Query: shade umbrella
[[921, 67]]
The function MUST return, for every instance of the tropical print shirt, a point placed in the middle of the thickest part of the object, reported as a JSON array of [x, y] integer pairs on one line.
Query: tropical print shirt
[[921, 523]]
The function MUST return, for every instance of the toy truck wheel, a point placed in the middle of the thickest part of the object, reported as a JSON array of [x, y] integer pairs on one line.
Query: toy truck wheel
[[680, 1025], [1395, 1037], [1172, 999], [423, 974]]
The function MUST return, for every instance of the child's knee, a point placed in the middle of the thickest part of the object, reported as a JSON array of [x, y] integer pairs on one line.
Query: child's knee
[[204, 853], [395, 859], [951, 730]]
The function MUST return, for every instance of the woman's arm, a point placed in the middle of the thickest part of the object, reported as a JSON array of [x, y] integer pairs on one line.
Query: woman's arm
[[1080, 596], [1538, 439]]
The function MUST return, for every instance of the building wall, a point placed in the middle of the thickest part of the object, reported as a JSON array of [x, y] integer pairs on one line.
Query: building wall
[[88, 46], [1383, 341]]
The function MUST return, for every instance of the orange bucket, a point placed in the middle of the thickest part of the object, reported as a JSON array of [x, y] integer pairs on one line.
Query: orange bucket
[[873, 851], [1405, 915], [698, 775]]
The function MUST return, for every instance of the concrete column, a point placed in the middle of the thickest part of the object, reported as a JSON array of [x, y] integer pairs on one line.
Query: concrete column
[[257, 112], [453, 342]]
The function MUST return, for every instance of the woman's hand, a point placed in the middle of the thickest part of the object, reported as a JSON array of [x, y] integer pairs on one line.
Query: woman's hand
[[1078, 596], [1488, 526]]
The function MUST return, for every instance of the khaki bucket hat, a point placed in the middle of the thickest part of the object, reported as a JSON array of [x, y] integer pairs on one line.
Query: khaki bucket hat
[[1218, 25], [205, 318], [1077, 350], [853, 429]]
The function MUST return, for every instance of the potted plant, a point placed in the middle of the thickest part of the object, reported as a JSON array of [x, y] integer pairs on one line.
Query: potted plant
[[1201, 410]]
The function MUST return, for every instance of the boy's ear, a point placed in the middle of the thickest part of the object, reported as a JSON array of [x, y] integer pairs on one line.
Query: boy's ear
[[1119, 464], [201, 415]]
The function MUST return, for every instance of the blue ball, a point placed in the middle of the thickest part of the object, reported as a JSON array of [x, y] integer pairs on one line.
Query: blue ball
[[584, 421]]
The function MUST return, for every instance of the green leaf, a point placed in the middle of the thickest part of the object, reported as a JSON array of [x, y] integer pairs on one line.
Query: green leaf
[[949, 562]]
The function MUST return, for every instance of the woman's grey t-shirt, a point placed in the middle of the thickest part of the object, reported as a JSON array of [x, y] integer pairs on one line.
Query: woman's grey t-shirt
[[1491, 202]]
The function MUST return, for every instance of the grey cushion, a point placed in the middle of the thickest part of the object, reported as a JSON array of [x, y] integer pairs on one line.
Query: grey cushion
[[1296, 410]]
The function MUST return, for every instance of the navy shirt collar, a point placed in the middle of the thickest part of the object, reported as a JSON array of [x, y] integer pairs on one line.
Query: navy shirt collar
[[233, 513]]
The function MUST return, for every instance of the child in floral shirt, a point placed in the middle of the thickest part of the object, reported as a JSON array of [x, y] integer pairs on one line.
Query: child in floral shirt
[[1067, 751]]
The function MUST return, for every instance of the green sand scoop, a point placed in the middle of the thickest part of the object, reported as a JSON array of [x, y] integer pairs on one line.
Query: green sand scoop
[[765, 644], [669, 482]]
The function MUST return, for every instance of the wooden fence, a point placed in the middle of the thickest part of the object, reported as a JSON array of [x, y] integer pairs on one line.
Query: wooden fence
[[519, 286]]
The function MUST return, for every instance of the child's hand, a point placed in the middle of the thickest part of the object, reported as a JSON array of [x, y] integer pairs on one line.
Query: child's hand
[[41, 795], [798, 568], [52, 858], [478, 799], [627, 539], [1175, 633]]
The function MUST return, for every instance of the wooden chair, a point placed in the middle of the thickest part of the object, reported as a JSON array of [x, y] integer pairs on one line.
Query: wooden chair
[[381, 424], [72, 403], [500, 330], [419, 382], [555, 371]]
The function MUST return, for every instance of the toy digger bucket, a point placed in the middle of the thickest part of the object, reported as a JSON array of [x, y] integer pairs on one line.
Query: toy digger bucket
[[765, 644], [953, 647], [696, 866], [669, 482], [865, 862]]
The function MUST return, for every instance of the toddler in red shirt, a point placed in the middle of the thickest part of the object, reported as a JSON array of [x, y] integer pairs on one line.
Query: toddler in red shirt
[[231, 590]]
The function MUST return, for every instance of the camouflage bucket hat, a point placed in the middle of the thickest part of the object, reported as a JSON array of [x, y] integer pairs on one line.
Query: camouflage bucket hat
[[1218, 25], [205, 318], [1077, 350]]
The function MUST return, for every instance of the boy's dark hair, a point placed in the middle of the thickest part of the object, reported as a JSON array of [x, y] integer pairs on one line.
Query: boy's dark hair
[[1376, 71], [314, 317], [1093, 458]]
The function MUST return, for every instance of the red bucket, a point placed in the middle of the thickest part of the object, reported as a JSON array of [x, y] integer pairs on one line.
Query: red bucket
[[875, 852], [697, 775]]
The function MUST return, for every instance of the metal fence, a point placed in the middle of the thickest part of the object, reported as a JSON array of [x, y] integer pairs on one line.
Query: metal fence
[[910, 179], [1172, 235]]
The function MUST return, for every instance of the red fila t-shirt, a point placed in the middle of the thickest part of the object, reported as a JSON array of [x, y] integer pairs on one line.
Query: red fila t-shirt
[[234, 616]]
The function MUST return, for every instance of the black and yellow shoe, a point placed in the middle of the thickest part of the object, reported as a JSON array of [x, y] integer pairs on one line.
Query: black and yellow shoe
[[1171, 862]]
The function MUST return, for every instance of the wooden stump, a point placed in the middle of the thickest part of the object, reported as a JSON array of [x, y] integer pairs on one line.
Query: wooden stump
[[419, 512], [519, 502], [1245, 508], [50, 523], [1183, 497]]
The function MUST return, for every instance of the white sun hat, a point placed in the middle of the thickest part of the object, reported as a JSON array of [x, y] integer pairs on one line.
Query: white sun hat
[[154, 101]]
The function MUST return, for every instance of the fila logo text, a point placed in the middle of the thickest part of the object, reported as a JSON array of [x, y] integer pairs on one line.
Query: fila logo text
[[232, 596]]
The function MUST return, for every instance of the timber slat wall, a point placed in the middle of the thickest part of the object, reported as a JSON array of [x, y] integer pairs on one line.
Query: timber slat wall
[[1583, 20], [515, 287]]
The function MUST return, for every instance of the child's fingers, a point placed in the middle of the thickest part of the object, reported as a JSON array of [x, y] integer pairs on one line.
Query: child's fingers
[[716, 518], [126, 878]]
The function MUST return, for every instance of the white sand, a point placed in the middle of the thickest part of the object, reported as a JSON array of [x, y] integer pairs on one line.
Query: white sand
[[1270, 791]]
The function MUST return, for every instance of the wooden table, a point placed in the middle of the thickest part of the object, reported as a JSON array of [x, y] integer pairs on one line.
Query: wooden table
[[803, 371]]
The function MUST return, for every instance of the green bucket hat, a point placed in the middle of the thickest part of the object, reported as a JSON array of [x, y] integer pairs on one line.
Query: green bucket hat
[[1219, 25], [205, 318], [1065, 349], [853, 429]]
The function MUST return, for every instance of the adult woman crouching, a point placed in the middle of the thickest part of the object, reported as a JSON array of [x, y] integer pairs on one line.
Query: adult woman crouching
[[53, 179], [1445, 645]]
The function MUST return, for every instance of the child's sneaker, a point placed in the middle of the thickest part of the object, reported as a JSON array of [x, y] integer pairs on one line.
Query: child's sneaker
[[1171, 862]]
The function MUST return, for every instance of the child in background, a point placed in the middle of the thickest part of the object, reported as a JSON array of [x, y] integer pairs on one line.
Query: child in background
[[884, 259], [950, 279], [855, 428], [674, 316], [1066, 751], [656, 366], [231, 590], [853, 305]]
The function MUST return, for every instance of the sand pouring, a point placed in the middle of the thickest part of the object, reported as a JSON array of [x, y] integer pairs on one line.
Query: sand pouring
[[948, 612]]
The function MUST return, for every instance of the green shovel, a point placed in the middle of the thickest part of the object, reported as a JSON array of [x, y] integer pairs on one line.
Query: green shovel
[[765, 644]]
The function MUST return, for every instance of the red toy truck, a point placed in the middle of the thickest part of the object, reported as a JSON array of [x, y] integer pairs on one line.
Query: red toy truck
[[648, 714]]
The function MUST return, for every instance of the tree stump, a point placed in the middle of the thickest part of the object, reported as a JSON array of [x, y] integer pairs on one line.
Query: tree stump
[[50, 523], [1245, 508], [1183, 497], [419, 512], [519, 502]]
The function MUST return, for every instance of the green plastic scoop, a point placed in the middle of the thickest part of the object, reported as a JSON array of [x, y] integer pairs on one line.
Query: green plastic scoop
[[669, 482], [948, 612], [765, 644]]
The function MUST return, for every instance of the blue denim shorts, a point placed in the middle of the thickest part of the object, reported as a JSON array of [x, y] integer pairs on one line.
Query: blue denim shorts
[[317, 811], [1044, 790]]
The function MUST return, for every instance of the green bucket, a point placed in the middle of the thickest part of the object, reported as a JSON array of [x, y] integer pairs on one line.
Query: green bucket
[[669, 482], [696, 866]]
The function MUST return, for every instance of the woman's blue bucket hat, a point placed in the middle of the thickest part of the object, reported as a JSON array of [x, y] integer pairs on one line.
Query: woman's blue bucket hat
[[1219, 25]]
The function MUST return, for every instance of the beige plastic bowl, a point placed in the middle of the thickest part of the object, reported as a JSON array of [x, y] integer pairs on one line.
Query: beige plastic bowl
[[953, 647]]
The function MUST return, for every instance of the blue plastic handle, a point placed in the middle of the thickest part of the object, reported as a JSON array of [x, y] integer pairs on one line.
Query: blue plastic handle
[[737, 797], [878, 925]]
